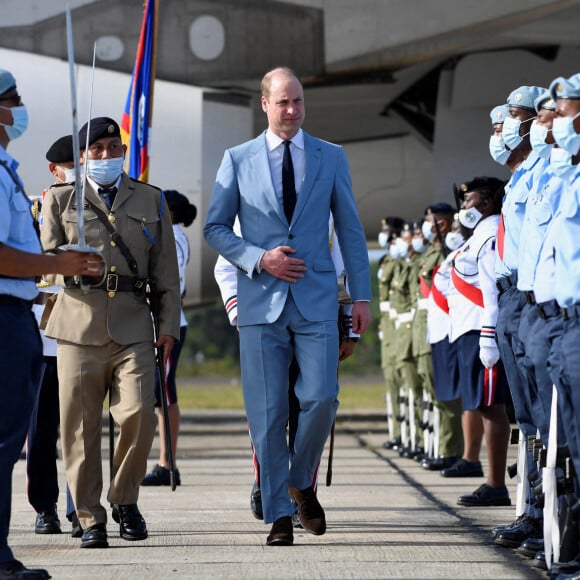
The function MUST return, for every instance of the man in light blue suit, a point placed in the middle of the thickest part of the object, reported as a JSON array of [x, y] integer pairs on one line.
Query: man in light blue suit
[[283, 186]]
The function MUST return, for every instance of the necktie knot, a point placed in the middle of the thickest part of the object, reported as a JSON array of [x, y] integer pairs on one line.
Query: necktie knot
[[288, 185], [108, 195]]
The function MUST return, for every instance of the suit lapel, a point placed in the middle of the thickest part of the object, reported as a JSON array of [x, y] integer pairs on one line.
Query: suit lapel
[[313, 157]]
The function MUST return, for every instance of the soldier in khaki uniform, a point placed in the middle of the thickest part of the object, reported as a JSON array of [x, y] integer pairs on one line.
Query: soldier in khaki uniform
[[391, 226], [437, 223], [105, 335], [402, 303]]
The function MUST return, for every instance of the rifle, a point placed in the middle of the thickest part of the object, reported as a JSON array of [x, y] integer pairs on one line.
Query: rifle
[[153, 299]]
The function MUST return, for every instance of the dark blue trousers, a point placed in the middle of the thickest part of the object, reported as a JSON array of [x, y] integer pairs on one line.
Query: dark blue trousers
[[20, 365]]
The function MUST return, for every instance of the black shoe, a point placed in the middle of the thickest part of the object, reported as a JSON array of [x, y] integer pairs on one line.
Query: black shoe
[[559, 568], [311, 513], [77, 530], [485, 495], [539, 561], [394, 444], [160, 475], [498, 529], [513, 537], [131, 522], [530, 547], [282, 533], [47, 522], [95, 537], [256, 502], [438, 463], [462, 468], [14, 570]]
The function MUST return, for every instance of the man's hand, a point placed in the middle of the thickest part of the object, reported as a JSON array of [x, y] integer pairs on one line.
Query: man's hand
[[278, 264], [346, 349], [165, 342], [361, 317], [79, 264]]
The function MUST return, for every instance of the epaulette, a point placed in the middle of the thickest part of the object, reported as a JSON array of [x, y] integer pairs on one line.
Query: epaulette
[[144, 183], [57, 185]]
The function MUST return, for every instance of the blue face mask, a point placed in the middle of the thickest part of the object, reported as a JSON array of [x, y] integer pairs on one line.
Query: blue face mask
[[419, 245], [428, 234], [105, 171], [511, 131], [394, 251], [538, 135], [561, 162], [497, 150], [19, 122], [565, 134]]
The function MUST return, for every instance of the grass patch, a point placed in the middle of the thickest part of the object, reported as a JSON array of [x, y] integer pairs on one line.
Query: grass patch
[[204, 393]]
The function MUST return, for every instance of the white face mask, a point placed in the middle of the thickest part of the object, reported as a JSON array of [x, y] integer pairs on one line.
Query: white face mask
[[497, 149], [538, 135], [418, 245], [454, 240], [394, 251], [469, 218], [383, 239], [428, 234], [69, 174], [105, 171], [565, 134], [561, 163], [402, 248], [19, 122], [511, 131]]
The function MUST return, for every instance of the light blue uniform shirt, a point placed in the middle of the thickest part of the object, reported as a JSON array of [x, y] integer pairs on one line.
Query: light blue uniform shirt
[[542, 204], [523, 180], [16, 226], [567, 247]]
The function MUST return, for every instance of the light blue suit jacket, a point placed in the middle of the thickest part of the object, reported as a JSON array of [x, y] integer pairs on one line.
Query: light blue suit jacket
[[244, 188]]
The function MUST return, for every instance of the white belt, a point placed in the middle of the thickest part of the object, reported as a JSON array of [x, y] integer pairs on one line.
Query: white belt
[[393, 314], [406, 317], [384, 306], [423, 303]]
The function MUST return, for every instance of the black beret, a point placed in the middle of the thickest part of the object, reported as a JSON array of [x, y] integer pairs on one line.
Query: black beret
[[61, 151], [440, 208], [396, 223], [490, 186], [100, 127], [183, 211]]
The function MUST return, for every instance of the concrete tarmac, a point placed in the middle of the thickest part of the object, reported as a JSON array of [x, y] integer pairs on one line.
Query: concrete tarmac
[[387, 518]]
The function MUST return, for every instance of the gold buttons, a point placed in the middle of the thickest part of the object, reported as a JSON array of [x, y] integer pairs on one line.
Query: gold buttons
[[113, 244], [112, 218], [111, 294], [113, 268]]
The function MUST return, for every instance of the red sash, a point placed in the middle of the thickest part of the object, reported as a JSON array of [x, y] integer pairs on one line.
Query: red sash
[[472, 293], [500, 237], [425, 290], [438, 296]]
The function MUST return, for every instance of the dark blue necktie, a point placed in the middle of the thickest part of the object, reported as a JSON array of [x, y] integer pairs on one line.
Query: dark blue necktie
[[288, 186], [108, 195]]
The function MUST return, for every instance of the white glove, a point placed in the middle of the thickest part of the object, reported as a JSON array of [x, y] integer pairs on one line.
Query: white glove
[[488, 355]]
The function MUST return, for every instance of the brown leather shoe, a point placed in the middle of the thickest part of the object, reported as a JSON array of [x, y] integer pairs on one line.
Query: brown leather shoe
[[282, 533], [311, 513]]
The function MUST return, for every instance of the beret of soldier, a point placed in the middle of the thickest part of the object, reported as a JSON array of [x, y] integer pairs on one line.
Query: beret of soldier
[[61, 151], [183, 211], [498, 114], [99, 127], [487, 186], [7, 81], [394, 222], [545, 101], [440, 208], [524, 97], [562, 88]]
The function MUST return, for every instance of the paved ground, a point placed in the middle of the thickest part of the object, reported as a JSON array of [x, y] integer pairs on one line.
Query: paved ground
[[387, 518]]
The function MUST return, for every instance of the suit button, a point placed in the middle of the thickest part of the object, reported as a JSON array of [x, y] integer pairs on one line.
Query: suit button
[[111, 294], [291, 236]]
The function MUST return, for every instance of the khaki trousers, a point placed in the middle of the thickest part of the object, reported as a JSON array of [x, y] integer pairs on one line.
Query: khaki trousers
[[85, 374]]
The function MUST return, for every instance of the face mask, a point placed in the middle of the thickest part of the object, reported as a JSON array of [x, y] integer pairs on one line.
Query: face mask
[[402, 248], [418, 245], [565, 135], [427, 233], [19, 122], [383, 239], [469, 218], [69, 174], [394, 251], [497, 149], [561, 162], [538, 135], [454, 240], [105, 171], [511, 131]]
